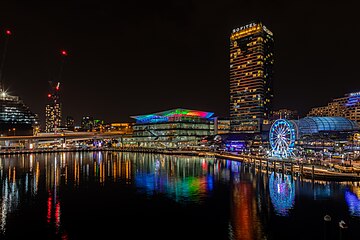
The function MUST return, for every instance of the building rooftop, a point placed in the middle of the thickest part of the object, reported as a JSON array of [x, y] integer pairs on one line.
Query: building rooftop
[[164, 116]]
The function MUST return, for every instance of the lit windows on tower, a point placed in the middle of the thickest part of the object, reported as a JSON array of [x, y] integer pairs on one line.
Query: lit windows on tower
[[251, 70], [53, 113], [53, 117]]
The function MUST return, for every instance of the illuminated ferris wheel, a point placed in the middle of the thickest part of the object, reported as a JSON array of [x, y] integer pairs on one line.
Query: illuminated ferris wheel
[[282, 138]]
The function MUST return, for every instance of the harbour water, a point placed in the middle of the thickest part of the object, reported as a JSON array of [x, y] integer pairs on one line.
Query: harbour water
[[103, 195]]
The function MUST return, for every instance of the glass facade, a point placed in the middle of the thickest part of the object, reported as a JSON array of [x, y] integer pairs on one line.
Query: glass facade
[[313, 133], [314, 125], [15, 117], [173, 128], [251, 71]]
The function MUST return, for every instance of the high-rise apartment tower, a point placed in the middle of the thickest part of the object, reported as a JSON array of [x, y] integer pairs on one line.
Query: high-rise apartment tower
[[53, 113], [251, 73]]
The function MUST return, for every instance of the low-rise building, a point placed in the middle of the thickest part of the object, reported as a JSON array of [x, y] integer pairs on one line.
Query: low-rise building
[[173, 128], [15, 117], [347, 106]]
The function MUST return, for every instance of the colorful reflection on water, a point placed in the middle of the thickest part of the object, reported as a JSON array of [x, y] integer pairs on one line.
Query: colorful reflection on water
[[65, 195], [182, 179], [282, 193], [353, 201]]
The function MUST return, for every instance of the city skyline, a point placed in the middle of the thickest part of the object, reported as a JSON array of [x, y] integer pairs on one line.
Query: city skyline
[[148, 57]]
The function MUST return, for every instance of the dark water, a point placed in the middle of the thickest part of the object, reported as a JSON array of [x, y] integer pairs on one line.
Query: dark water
[[149, 196]]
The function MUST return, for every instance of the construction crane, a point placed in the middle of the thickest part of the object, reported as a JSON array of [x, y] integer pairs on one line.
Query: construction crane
[[8, 34]]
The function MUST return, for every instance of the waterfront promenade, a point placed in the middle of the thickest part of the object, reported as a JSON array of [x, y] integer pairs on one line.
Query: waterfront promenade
[[307, 169]]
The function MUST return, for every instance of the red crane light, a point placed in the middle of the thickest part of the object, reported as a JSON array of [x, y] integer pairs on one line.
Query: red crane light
[[8, 32], [49, 95], [64, 53]]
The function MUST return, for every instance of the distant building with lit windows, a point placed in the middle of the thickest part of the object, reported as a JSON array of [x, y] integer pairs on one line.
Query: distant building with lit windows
[[172, 128], [98, 125], [284, 114], [87, 123], [53, 113], [70, 123], [251, 72], [347, 106], [221, 126], [52, 116], [15, 117], [125, 127]]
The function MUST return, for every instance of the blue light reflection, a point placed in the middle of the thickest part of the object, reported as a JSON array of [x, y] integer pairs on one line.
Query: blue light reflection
[[353, 203], [282, 193]]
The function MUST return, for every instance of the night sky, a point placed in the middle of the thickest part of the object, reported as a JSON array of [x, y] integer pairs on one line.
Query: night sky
[[135, 57]]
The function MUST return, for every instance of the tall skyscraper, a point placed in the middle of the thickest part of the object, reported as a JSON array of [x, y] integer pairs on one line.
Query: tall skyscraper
[[53, 112], [251, 73]]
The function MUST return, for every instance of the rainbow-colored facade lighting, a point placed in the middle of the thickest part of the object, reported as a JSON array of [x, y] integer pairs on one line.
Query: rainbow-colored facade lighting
[[170, 115], [172, 128]]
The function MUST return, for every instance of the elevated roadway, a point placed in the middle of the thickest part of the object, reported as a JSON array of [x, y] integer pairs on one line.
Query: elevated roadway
[[31, 142], [66, 135]]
